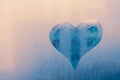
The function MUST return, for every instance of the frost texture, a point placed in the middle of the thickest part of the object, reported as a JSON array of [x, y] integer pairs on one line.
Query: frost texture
[[74, 42]]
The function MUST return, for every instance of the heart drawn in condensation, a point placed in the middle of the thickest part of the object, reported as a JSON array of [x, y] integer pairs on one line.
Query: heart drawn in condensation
[[74, 42]]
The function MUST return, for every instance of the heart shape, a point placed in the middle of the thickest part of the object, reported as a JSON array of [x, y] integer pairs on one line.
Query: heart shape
[[74, 42]]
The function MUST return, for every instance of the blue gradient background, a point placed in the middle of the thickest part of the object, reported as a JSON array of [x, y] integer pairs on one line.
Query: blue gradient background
[[27, 54]]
